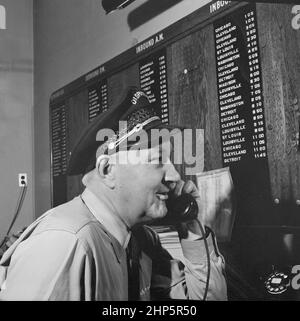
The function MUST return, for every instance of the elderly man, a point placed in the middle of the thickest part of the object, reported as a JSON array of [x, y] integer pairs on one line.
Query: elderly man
[[97, 246]]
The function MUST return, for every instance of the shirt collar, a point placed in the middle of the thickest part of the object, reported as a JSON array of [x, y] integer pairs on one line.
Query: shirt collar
[[108, 219]]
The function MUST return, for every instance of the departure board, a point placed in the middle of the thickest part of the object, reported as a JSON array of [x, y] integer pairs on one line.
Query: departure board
[[229, 69], [98, 99], [240, 89], [59, 140], [59, 143], [153, 80]]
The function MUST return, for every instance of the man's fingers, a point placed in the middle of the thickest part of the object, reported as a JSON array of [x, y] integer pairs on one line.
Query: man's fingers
[[185, 188], [189, 187], [178, 188]]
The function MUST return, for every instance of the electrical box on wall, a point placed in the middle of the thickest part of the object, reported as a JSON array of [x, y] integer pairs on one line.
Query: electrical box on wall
[[23, 179]]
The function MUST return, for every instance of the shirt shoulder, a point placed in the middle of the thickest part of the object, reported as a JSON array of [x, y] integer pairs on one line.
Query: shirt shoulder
[[69, 217]]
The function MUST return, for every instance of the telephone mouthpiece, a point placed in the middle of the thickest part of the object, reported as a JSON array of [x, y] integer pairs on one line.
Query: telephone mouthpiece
[[183, 208]]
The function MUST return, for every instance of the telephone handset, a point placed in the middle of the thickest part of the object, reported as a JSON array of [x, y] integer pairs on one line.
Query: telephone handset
[[180, 209]]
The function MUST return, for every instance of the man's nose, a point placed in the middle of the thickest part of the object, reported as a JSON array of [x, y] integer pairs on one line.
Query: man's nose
[[171, 174]]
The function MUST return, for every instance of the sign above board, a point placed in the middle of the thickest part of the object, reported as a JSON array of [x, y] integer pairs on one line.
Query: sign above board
[[95, 73], [149, 43], [217, 5]]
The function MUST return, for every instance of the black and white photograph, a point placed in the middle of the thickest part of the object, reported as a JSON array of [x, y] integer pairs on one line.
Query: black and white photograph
[[149, 151]]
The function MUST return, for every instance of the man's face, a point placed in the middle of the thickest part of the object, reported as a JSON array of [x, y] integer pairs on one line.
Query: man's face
[[144, 182]]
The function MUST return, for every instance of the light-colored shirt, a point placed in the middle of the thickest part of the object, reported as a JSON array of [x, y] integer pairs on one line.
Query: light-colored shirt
[[67, 254]]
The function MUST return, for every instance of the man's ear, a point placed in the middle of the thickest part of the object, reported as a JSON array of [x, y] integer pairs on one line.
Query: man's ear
[[106, 170]]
